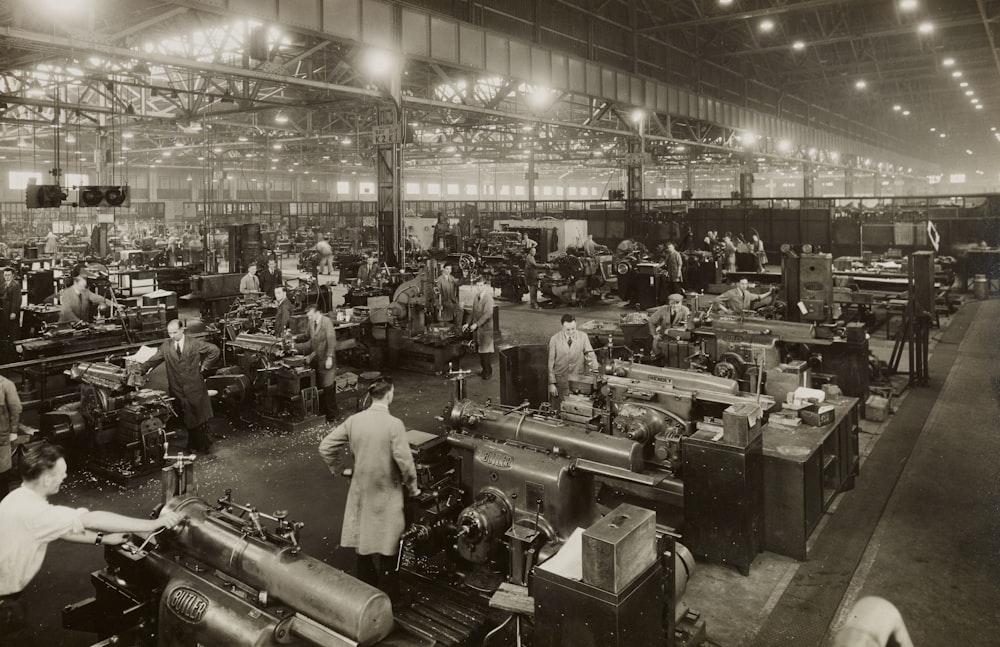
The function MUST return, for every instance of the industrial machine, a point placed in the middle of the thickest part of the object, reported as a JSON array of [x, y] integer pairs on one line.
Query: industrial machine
[[267, 383], [223, 578], [576, 279], [656, 437], [117, 425], [416, 338]]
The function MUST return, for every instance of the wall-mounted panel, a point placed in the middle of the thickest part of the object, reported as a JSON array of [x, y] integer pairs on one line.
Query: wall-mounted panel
[[609, 84], [376, 23], [497, 56], [560, 75], [471, 46], [520, 60], [416, 33], [635, 91], [342, 18], [541, 66], [577, 80], [662, 98], [594, 80], [624, 88], [444, 40], [673, 101], [305, 13], [263, 8]]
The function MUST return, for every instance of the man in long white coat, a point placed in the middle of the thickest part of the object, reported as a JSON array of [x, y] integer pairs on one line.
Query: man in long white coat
[[383, 466]]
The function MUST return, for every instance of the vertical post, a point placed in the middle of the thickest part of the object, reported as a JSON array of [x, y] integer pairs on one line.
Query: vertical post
[[808, 180], [849, 182], [633, 195], [389, 157]]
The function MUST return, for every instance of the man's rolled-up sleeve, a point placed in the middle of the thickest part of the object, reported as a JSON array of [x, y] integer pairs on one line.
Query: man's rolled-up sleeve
[[55, 521]]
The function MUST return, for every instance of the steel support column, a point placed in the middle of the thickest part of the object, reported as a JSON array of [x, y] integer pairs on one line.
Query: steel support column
[[633, 195], [808, 180]]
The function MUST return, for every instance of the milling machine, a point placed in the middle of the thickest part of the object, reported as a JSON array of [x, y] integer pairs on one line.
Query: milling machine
[[119, 426], [577, 279]]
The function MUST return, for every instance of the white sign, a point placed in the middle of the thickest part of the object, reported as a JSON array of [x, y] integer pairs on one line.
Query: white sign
[[386, 135], [633, 159]]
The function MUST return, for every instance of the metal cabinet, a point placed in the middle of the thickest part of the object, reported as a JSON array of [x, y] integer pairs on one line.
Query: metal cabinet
[[804, 469]]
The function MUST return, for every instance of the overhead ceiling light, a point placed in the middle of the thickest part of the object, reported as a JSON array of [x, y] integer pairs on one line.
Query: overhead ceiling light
[[725, 3], [948, 62], [933, 129], [178, 144], [979, 106], [969, 93], [963, 84], [906, 113], [861, 84], [925, 27], [897, 107], [766, 25], [281, 118], [127, 135], [242, 138], [70, 138], [974, 101], [638, 115], [798, 45], [968, 151], [957, 74], [907, 5], [189, 178], [784, 145], [346, 141], [942, 135], [276, 147]]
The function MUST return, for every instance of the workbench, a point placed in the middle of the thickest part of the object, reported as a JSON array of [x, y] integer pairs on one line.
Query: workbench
[[805, 467]]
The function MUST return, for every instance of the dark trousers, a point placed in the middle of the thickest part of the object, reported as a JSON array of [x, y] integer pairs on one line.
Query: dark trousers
[[199, 439], [380, 572], [486, 362], [330, 403], [533, 293], [14, 621]]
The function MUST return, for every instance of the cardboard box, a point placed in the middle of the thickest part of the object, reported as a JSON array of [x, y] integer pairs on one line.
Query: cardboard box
[[619, 547], [817, 415], [876, 408], [741, 424]]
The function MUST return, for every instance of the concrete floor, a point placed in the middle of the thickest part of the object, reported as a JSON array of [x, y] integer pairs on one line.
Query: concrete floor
[[934, 551]]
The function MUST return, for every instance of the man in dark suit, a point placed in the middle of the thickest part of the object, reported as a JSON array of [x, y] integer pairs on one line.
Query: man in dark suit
[[270, 278], [10, 314], [283, 311], [321, 347], [188, 359], [76, 301]]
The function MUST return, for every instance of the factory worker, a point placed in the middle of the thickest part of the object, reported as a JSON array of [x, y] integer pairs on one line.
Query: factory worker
[[383, 466], [673, 315], [250, 284], [188, 359], [76, 300], [30, 523], [481, 323], [10, 421], [368, 271], [739, 298], [282, 311], [321, 347], [270, 278], [447, 286], [674, 265], [324, 260], [570, 353]]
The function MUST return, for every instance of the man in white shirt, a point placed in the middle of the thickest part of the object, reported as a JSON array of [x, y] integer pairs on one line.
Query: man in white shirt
[[30, 522], [570, 353], [250, 284]]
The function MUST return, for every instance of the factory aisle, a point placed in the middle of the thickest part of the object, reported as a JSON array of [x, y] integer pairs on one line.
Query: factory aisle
[[936, 551], [922, 529]]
